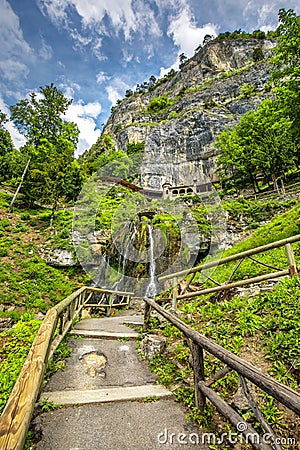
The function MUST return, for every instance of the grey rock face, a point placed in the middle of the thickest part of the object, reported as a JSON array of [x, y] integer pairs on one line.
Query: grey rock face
[[179, 141]]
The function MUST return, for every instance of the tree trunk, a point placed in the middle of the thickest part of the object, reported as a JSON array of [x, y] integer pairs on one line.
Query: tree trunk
[[276, 187], [54, 207], [20, 185], [282, 186]]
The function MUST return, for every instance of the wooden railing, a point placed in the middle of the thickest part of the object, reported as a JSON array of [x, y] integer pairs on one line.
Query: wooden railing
[[199, 343], [18, 411], [240, 257]]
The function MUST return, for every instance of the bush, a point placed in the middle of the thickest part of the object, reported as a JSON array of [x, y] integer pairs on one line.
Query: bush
[[158, 104]]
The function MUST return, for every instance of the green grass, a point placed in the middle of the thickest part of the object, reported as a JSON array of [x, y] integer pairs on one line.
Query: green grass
[[264, 329], [14, 349]]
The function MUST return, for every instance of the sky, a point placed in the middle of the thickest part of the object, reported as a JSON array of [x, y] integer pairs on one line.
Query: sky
[[94, 50]]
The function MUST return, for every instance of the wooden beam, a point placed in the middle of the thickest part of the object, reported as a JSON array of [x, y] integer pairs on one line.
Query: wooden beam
[[17, 413], [279, 391], [224, 287], [198, 368], [60, 307], [109, 291], [248, 432], [291, 260], [235, 257], [218, 375]]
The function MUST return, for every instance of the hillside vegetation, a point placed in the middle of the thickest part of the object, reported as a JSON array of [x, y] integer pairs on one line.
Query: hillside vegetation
[[259, 323], [259, 152]]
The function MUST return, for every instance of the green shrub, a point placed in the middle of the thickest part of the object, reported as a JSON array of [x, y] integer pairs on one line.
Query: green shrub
[[159, 104], [17, 342]]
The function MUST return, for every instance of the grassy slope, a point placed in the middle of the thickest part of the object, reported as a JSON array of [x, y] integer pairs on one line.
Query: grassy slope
[[28, 284], [263, 329]]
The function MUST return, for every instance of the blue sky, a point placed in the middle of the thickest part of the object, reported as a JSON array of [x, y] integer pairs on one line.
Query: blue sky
[[93, 50]]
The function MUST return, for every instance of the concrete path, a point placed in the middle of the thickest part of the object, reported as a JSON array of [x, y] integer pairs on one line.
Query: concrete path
[[109, 398]]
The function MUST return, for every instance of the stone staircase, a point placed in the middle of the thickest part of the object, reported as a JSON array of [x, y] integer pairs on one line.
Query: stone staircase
[[107, 397]]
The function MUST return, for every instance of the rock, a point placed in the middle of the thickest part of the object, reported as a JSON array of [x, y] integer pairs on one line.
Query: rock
[[61, 258], [5, 324], [239, 400], [152, 345], [39, 316], [179, 141]]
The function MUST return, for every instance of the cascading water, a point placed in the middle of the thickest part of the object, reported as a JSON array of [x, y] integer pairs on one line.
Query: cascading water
[[151, 289]]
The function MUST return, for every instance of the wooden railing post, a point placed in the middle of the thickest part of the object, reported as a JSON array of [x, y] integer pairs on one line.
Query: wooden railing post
[[146, 316], [198, 368], [291, 260], [110, 303]]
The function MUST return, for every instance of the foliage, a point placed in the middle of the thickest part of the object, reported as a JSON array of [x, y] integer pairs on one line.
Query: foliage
[[266, 141], [240, 34], [57, 362], [287, 68], [137, 147], [253, 212], [257, 54], [7, 151], [51, 142], [262, 142], [159, 104], [16, 344]]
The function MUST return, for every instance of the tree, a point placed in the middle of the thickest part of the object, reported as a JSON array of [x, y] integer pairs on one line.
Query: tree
[[261, 142], [6, 150], [207, 38], [51, 141], [268, 140], [182, 60], [287, 53], [286, 73]]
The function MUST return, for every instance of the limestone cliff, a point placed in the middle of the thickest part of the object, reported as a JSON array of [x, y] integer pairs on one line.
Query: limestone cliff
[[213, 89]]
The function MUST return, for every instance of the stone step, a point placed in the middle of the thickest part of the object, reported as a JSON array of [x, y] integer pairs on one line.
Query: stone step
[[105, 334], [111, 327], [108, 394]]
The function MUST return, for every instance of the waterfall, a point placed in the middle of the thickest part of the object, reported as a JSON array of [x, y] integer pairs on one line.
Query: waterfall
[[151, 289]]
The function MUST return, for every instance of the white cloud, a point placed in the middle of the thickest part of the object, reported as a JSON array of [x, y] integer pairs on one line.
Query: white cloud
[[263, 14], [102, 77], [45, 52], [116, 90], [126, 16], [85, 115], [113, 94], [56, 10], [15, 51], [69, 89], [186, 35]]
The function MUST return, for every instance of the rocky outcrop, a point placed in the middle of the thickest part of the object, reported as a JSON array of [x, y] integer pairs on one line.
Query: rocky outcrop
[[206, 96]]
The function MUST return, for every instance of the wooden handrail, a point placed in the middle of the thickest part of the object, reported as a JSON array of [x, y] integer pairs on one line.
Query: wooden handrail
[[18, 411], [252, 251], [16, 416], [279, 391]]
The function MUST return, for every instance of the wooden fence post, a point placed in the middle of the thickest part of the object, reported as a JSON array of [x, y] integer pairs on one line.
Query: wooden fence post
[[198, 367], [291, 260], [146, 316], [110, 303]]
